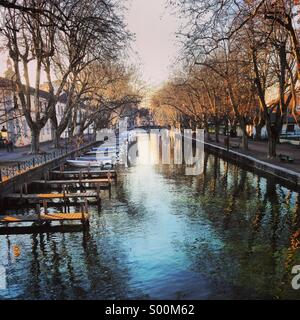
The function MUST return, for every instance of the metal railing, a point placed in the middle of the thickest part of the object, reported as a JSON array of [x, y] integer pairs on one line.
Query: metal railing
[[20, 167]]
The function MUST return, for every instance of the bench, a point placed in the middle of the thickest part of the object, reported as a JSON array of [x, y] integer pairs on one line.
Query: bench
[[286, 158]]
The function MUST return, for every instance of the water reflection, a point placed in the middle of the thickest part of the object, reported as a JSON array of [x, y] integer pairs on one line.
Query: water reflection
[[226, 233]]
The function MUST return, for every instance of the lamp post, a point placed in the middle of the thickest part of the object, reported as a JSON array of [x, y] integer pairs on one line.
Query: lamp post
[[4, 133]]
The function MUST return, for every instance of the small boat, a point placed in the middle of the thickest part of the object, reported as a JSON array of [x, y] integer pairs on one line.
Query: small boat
[[102, 152], [107, 166], [84, 164], [106, 149], [95, 158]]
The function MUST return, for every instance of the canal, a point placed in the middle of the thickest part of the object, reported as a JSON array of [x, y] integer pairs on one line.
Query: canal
[[225, 234]]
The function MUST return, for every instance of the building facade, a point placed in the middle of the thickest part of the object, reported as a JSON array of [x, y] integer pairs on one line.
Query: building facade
[[13, 119]]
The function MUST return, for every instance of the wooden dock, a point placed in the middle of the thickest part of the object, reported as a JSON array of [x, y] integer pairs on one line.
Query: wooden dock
[[103, 184], [45, 196], [41, 221], [40, 218], [85, 173], [68, 182]]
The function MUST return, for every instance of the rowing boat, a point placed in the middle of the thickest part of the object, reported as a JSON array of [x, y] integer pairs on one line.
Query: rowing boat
[[87, 163]]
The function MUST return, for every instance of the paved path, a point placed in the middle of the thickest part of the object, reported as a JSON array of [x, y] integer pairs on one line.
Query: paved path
[[23, 153], [259, 149]]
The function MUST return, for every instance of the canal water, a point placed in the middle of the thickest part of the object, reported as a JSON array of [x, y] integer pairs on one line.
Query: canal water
[[224, 234]]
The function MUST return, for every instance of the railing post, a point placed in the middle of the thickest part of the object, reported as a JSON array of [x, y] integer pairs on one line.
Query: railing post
[[38, 212], [45, 205]]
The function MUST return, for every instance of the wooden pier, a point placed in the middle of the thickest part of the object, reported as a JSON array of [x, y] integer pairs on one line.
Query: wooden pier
[[44, 196], [40, 218], [71, 189], [72, 182], [102, 184], [41, 221], [86, 173], [65, 197]]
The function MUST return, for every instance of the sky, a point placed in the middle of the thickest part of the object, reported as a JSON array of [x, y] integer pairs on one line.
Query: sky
[[155, 46]]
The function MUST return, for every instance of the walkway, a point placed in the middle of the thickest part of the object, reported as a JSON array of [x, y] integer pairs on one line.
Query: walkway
[[22, 154], [259, 150]]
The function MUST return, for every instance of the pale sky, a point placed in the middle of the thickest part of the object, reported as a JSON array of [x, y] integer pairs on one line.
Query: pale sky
[[155, 44]]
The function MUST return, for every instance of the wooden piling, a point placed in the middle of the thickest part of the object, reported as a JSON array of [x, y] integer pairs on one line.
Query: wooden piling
[[98, 197], [26, 188], [45, 205], [21, 191], [38, 212]]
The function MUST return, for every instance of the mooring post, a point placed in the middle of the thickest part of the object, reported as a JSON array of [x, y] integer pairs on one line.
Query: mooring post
[[109, 188], [45, 205], [64, 197], [21, 191], [38, 211], [80, 176], [26, 188], [86, 206], [89, 170], [85, 213], [98, 196], [82, 213]]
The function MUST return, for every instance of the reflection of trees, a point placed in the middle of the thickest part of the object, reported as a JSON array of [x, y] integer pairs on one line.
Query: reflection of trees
[[272, 197], [292, 253], [258, 222], [60, 270], [35, 269]]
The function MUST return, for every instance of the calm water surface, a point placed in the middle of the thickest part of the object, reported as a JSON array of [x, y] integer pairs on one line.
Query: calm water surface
[[227, 233]]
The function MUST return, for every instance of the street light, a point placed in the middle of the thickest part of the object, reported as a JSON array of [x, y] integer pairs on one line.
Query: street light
[[4, 133]]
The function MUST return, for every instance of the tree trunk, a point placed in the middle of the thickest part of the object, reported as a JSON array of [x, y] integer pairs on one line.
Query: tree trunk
[[272, 141], [245, 140], [258, 130], [56, 138], [206, 130], [217, 131], [35, 141]]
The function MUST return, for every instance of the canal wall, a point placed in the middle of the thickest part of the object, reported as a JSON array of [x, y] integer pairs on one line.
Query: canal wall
[[284, 175], [36, 173]]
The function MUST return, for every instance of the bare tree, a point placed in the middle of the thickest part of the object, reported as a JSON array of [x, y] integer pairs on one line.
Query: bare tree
[[252, 46], [64, 42]]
